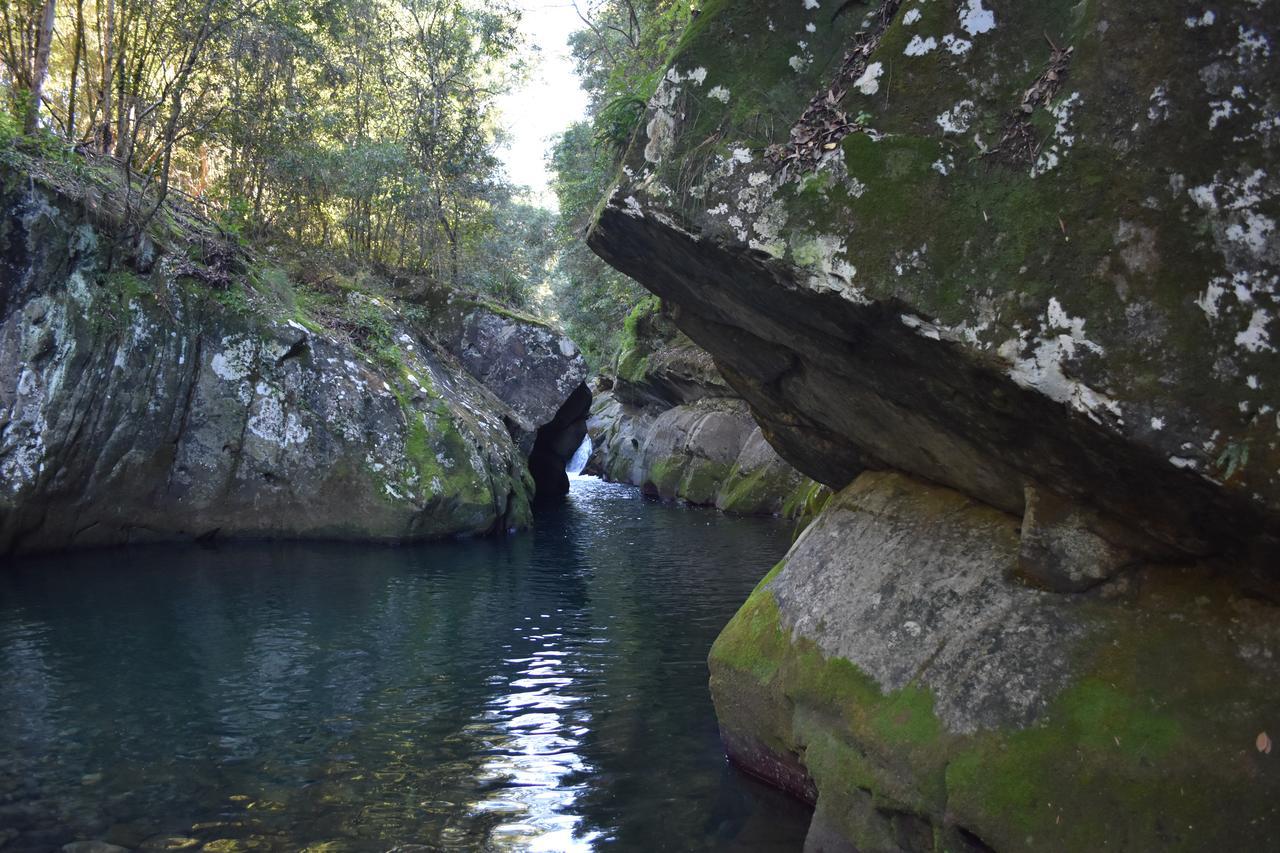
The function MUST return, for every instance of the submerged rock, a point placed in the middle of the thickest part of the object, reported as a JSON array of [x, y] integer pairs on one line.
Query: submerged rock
[[136, 408]]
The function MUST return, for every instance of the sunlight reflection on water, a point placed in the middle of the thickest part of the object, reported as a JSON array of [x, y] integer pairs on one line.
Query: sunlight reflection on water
[[545, 692]]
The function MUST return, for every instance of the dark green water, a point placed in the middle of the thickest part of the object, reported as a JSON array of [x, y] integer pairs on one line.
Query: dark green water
[[543, 692]]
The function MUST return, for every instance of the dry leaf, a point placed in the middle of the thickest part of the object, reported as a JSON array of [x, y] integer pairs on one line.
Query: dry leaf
[[1263, 743]]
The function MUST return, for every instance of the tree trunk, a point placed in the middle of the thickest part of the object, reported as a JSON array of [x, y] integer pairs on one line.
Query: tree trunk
[[75, 70], [104, 137], [40, 69]]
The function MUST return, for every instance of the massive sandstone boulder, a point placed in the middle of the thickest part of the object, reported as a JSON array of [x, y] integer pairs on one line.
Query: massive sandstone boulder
[[1005, 244], [143, 397], [1024, 255], [891, 671], [671, 425]]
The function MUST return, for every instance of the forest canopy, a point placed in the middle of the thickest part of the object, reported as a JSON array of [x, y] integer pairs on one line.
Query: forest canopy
[[367, 128]]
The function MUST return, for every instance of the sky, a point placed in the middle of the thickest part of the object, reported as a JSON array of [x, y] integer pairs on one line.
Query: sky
[[549, 102]]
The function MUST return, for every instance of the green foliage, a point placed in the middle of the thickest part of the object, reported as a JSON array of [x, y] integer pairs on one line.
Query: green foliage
[[805, 505], [10, 128], [234, 297], [361, 126], [617, 121], [620, 57]]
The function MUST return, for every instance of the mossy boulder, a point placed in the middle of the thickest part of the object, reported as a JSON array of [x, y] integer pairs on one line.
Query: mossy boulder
[[709, 452], [146, 394], [657, 364], [894, 671], [995, 244]]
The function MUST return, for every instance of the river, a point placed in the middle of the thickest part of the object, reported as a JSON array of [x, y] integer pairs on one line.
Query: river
[[545, 691]]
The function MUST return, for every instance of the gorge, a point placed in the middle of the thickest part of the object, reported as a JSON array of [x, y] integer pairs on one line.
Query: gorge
[[877, 448]]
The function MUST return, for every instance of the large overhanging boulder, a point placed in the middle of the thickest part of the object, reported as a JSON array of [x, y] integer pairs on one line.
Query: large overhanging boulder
[[1008, 247]]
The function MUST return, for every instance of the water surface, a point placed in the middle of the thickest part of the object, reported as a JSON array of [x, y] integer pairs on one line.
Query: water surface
[[546, 691]]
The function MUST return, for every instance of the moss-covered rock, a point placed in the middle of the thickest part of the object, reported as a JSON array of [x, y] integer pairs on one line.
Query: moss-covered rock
[[150, 393], [708, 452], [657, 365], [991, 243], [894, 672]]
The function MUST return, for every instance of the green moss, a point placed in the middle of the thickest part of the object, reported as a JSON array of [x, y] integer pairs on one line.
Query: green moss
[[1141, 751], [633, 350], [702, 479], [758, 493], [127, 285], [665, 475], [753, 642]]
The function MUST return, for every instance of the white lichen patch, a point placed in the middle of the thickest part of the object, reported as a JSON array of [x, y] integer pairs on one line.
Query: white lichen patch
[[660, 132], [768, 228], [1198, 21], [1244, 233], [1062, 138], [927, 329], [1220, 110], [976, 20], [911, 17], [1158, 104], [957, 119], [269, 421], [631, 207], [22, 446], [1208, 301], [869, 82], [1255, 337], [955, 45], [920, 46], [1043, 371], [1251, 46], [824, 257], [719, 93], [235, 361], [1041, 365]]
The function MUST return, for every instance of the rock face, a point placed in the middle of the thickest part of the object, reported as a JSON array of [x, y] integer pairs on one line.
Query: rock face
[[992, 246], [892, 671], [536, 371], [672, 426], [986, 257], [149, 405]]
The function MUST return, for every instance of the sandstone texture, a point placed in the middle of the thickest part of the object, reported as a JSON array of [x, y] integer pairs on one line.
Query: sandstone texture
[[894, 671]]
